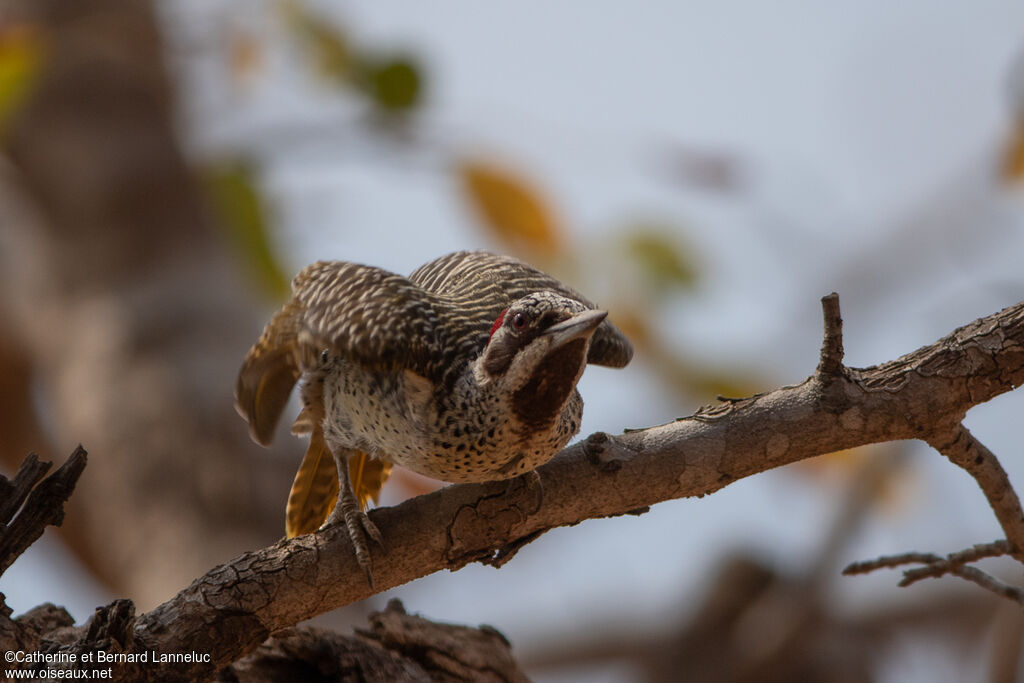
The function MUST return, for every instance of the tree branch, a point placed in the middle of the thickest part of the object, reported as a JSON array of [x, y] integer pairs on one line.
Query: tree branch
[[986, 581], [831, 362], [960, 446], [13, 492], [963, 449], [954, 563], [44, 504], [922, 395]]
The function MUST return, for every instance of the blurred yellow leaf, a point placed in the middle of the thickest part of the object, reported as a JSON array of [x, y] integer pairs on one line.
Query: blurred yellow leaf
[[1013, 160], [840, 467], [245, 54], [837, 463], [21, 56], [232, 190], [511, 208]]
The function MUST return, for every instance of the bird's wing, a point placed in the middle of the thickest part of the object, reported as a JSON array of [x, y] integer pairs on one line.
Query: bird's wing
[[482, 284], [427, 323], [368, 315], [363, 314]]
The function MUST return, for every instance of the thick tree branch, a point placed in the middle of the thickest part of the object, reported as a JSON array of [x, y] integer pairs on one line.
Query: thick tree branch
[[921, 395], [396, 646]]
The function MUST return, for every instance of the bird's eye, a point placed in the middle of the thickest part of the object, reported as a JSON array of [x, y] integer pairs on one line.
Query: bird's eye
[[518, 321]]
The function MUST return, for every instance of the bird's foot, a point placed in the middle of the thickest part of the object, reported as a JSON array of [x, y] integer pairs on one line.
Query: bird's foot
[[359, 526]]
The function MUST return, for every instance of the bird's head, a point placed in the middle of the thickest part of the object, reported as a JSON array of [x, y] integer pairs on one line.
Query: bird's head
[[537, 351]]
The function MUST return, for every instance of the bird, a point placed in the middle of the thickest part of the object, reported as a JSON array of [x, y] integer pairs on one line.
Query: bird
[[465, 371]]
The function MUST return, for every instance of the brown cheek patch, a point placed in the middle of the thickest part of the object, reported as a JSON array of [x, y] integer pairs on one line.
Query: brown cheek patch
[[538, 403]]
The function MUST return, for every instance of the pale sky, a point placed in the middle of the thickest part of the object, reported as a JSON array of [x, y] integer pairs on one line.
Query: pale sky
[[867, 133]]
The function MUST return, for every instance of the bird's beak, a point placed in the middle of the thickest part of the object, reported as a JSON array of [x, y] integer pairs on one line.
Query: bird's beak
[[580, 325]]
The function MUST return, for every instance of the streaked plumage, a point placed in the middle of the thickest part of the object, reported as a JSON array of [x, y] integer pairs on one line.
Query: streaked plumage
[[392, 371]]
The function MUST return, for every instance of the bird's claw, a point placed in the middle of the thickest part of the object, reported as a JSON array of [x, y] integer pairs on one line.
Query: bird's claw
[[359, 526]]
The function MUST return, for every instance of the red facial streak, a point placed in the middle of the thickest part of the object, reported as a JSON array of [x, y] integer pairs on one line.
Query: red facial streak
[[497, 324]]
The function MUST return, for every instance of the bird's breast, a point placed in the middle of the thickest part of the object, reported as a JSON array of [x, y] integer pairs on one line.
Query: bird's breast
[[379, 412], [461, 436]]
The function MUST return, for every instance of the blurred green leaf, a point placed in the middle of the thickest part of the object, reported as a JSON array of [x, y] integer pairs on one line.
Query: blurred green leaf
[[21, 57], [708, 383], [665, 261], [393, 84], [327, 43], [239, 206]]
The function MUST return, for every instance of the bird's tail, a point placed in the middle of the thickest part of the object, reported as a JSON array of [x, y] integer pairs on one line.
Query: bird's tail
[[315, 489], [368, 477]]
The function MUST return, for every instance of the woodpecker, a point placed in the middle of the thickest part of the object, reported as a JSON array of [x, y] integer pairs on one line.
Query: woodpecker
[[465, 371]]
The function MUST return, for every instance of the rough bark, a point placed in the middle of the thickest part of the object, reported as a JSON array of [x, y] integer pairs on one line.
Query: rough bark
[[100, 308], [36, 506], [234, 607]]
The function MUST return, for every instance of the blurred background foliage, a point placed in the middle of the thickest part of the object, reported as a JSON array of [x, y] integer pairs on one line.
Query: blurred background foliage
[[392, 83], [21, 52], [243, 215], [287, 105]]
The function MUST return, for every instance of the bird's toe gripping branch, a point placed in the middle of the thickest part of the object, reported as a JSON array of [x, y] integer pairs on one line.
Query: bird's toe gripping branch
[[356, 521]]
